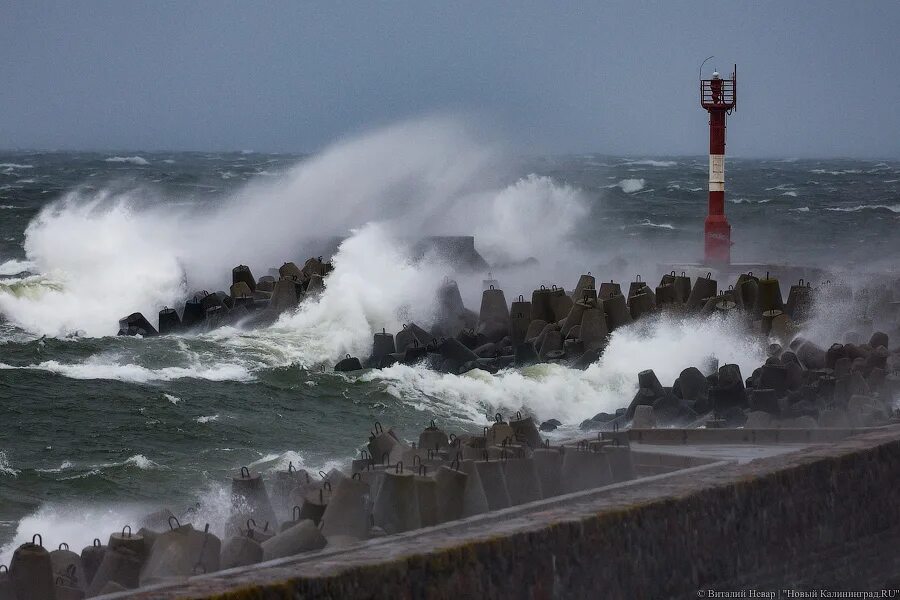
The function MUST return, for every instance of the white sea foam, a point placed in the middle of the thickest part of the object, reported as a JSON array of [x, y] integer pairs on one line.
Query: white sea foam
[[801, 209], [103, 367], [171, 398], [838, 172], [15, 166], [13, 266], [133, 160], [653, 163], [280, 461], [5, 467], [551, 391], [649, 223], [630, 186], [791, 194], [207, 418], [62, 467], [893, 208], [749, 201]]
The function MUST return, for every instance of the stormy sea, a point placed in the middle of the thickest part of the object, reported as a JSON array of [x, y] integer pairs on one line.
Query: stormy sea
[[99, 428]]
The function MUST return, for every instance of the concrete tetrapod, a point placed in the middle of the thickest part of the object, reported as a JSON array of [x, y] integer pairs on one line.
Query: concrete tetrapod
[[594, 329], [524, 430], [475, 500], [31, 571], [68, 565], [433, 438], [181, 552], [397, 507], [91, 557], [522, 481], [302, 537], [7, 592], [426, 497], [584, 469], [493, 318], [249, 497], [120, 565], [347, 512], [240, 551], [451, 491], [493, 481], [548, 465]]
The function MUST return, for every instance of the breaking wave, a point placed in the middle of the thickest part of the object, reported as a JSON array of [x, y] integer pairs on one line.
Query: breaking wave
[[630, 186], [99, 262], [665, 345], [653, 163], [895, 208], [104, 367], [132, 160]]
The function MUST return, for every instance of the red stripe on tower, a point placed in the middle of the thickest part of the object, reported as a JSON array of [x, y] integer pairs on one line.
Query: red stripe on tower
[[718, 97]]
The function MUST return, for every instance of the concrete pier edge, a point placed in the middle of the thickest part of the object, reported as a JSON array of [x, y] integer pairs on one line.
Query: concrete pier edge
[[824, 515]]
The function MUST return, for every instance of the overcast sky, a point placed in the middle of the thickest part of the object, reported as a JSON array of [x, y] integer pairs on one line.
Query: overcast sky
[[815, 78]]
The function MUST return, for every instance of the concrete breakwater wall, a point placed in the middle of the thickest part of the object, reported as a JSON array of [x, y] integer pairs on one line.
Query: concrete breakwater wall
[[822, 516]]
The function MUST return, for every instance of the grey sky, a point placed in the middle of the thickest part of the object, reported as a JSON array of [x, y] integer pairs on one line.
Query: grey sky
[[815, 78]]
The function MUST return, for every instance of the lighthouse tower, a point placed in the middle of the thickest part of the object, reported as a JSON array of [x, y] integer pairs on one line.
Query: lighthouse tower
[[718, 97]]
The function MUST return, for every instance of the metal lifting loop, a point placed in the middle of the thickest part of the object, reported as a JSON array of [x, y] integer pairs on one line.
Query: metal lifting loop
[[521, 298], [518, 415], [38, 537], [709, 274], [245, 470], [326, 485], [60, 547], [96, 543], [295, 513], [398, 468], [492, 286], [378, 428], [177, 522], [637, 278], [5, 568], [251, 520], [128, 527], [498, 418], [423, 470], [323, 475], [291, 468], [384, 458], [357, 476]]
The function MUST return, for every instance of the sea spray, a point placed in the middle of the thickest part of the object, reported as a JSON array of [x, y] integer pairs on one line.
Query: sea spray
[[665, 344], [112, 252]]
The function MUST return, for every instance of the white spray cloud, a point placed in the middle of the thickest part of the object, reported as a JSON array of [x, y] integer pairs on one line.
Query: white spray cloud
[[103, 255]]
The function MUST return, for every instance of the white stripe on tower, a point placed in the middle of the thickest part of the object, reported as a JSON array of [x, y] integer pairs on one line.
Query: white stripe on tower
[[717, 172]]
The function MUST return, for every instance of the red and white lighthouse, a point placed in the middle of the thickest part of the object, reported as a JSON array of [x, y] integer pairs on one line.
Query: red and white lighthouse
[[719, 97]]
